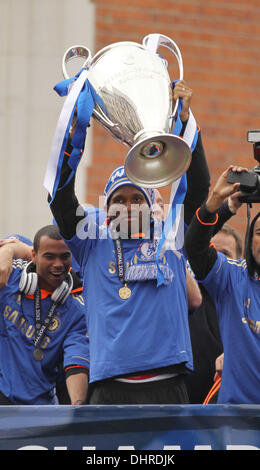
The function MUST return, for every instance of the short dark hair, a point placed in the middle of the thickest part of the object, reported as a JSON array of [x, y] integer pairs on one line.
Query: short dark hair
[[234, 233], [50, 231]]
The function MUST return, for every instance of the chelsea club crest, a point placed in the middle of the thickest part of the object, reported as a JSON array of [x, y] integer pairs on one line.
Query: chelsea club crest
[[149, 249]]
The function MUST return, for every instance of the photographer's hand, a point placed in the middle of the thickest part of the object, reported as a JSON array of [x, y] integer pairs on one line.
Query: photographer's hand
[[222, 190]]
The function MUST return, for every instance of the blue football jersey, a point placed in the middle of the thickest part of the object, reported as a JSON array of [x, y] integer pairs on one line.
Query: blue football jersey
[[237, 299], [146, 331], [23, 379]]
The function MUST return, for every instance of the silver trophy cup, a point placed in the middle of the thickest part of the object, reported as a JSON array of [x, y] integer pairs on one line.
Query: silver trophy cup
[[134, 86]]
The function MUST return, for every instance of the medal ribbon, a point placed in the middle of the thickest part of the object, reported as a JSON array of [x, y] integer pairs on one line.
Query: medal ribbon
[[120, 259], [40, 326]]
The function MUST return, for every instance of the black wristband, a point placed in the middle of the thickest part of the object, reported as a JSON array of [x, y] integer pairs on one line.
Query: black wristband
[[73, 370]]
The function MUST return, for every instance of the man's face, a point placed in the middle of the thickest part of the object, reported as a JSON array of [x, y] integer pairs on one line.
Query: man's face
[[129, 211], [226, 244], [52, 260], [256, 242]]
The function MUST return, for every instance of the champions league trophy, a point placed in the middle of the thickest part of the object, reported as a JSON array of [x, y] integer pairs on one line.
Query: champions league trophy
[[136, 107]]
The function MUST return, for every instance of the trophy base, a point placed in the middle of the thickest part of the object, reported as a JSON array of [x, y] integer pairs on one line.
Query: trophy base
[[157, 161]]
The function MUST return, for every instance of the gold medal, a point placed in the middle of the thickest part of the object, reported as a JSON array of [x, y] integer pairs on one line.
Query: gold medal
[[124, 292], [38, 354]]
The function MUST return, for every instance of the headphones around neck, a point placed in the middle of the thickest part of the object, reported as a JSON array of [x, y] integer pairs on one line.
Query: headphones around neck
[[29, 282]]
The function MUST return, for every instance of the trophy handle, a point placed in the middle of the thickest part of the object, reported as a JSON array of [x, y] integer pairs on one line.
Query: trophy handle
[[153, 42], [82, 51], [74, 52]]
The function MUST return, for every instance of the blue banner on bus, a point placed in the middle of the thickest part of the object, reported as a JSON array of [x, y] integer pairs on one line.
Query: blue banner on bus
[[161, 428]]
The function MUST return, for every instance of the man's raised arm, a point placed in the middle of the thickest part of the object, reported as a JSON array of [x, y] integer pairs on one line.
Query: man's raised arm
[[65, 205], [200, 253]]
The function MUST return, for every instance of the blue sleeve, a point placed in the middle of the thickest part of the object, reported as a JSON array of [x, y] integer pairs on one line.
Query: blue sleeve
[[76, 343], [223, 277], [89, 229], [17, 267]]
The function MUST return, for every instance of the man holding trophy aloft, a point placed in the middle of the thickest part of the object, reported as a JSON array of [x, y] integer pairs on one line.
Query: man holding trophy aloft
[[136, 289]]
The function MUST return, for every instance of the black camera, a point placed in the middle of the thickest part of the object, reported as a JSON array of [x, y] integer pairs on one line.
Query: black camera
[[249, 180]]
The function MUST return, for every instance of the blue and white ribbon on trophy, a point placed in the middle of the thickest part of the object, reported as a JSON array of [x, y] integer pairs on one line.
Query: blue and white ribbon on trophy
[[190, 136], [178, 190], [81, 97]]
